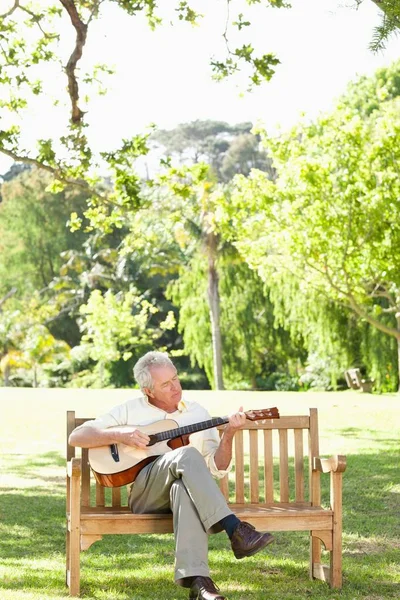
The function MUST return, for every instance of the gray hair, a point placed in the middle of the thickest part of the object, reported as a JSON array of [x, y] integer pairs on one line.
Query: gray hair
[[141, 370]]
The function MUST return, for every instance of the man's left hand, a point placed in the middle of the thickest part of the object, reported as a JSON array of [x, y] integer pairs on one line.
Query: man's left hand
[[236, 421]]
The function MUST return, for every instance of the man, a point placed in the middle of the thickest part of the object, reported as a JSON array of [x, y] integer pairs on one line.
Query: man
[[182, 480]]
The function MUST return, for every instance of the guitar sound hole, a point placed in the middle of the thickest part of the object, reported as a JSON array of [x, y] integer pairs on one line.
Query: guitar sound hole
[[114, 452]]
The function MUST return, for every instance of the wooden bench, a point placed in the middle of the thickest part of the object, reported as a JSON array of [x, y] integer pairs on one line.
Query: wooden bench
[[266, 488], [355, 381]]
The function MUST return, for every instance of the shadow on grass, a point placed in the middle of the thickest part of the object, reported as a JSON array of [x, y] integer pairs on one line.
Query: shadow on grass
[[28, 465], [365, 434], [140, 567]]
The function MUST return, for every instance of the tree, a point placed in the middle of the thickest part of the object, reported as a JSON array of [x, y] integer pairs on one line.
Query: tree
[[253, 346], [33, 38], [29, 353], [33, 231], [243, 155], [224, 312], [228, 149], [115, 327], [187, 200], [328, 222], [367, 94], [389, 25], [30, 61]]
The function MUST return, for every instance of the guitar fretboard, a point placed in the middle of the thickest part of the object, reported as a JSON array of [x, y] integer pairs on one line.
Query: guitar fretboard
[[187, 429]]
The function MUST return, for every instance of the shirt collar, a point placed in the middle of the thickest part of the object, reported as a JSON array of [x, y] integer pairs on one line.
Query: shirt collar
[[182, 406]]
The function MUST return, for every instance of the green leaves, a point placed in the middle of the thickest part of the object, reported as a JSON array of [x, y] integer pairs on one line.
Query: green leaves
[[113, 324], [261, 68], [240, 23], [325, 235], [186, 13], [46, 153]]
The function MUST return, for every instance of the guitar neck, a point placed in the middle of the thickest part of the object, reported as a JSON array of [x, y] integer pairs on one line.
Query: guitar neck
[[188, 429]]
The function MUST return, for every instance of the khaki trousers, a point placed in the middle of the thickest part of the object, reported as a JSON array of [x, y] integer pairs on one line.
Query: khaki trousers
[[179, 481]]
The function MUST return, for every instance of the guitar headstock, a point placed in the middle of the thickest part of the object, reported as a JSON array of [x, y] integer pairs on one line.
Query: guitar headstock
[[262, 413]]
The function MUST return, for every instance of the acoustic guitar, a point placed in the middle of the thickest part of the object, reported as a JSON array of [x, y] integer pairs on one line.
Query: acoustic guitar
[[118, 464]]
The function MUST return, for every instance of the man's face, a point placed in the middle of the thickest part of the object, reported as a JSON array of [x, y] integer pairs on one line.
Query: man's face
[[167, 391]]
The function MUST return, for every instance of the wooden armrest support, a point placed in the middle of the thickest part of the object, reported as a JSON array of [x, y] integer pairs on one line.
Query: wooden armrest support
[[333, 464], [74, 467]]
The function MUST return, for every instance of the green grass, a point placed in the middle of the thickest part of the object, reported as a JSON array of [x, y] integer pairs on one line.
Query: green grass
[[32, 507]]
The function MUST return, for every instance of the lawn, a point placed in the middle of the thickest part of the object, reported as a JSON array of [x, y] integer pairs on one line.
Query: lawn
[[32, 505]]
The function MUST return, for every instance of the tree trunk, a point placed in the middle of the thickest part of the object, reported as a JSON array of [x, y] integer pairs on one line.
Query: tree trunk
[[35, 380], [214, 306], [6, 374]]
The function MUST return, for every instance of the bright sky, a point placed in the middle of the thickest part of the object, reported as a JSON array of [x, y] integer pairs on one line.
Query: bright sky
[[165, 77]]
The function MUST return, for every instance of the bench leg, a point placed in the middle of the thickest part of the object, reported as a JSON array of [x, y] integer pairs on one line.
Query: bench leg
[[336, 563], [315, 554], [67, 557], [333, 543], [73, 562], [74, 526], [336, 554]]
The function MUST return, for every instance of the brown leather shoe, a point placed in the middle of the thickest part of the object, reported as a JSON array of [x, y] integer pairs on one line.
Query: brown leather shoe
[[246, 540], [203, 588]]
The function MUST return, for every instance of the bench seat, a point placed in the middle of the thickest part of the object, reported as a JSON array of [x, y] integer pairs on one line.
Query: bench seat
[[293, 517]]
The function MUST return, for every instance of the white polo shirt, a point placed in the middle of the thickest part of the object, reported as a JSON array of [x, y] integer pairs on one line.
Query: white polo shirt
[[139, 412]]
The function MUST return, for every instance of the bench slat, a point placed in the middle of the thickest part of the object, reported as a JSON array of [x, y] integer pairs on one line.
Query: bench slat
[[100, 495], [254, 479], [268, 467], [239, 466], [284, 422], [224, 482], [116, 497], [224, 487], [85, 478], [299, 465], [274, 518], [124, 512], [313, 451], [283, 465]]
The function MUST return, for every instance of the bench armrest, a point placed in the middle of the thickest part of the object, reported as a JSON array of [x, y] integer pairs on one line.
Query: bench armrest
[[74, 484], [333, 464], [74, 467]]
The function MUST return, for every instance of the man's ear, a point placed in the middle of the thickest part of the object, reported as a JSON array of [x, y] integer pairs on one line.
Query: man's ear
[[147, 391]]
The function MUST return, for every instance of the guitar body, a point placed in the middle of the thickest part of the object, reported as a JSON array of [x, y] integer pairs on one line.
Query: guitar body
[[111, 473], [119, 464]]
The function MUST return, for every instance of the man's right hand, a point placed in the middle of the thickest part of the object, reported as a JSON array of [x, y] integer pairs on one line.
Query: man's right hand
[[132, 437]]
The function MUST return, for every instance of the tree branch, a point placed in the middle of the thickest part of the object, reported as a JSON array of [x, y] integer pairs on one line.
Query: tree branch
[[7, 296], [389, 9], [12, 9], [358, 309], [81, 33], [392, 309], [371, 320], [355, 306], [95, 11], [378, 292], [36, 19], [58, 174]]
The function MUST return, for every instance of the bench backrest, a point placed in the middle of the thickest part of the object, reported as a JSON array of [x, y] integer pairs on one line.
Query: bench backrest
[[272, 464], [353, 378]]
